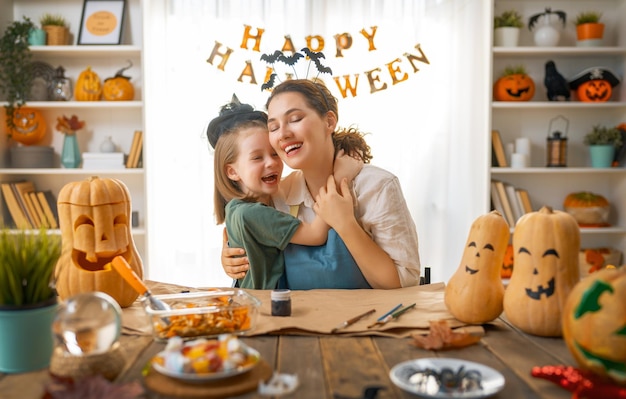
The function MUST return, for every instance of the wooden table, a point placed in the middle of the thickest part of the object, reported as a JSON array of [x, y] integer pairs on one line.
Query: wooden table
[[340, 367]]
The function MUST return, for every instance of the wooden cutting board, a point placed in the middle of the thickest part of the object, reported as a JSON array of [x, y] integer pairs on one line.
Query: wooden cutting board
[[224, 388]]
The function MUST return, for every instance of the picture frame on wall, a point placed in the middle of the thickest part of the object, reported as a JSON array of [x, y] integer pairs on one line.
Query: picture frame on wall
[[101, 22]]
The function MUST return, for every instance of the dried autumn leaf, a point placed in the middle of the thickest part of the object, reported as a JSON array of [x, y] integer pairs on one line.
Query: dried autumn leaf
[[442, 337], [69, 126]]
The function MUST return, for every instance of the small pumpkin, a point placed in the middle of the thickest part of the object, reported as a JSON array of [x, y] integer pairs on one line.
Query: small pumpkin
[[594, 323], [475, 291], [507, 263], [514, 85], [595, 91], [589, 209], [94, 218], [119, 87], [29, 126], [546, 244], [88, 86]]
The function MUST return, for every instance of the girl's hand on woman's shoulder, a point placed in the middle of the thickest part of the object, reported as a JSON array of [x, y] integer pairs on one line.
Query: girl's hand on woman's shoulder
[[336, 208], [346, 167]]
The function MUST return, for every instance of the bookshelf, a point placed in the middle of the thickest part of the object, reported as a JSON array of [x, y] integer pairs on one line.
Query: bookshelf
[[116, 119], [550, 185]]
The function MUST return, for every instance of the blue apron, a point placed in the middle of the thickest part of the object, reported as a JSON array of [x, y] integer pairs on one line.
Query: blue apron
[[325, 266]]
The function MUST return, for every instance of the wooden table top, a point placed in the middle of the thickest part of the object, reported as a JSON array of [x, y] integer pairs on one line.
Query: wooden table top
[[336, 367]]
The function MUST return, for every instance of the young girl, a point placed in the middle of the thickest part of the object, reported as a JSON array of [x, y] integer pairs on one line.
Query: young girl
[[247, 173]]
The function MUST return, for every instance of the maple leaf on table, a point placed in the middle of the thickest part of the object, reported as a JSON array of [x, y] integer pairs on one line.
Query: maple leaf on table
[[442, 337]]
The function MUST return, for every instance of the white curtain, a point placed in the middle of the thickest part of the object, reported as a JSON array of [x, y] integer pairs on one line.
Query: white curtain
[[429, 127]]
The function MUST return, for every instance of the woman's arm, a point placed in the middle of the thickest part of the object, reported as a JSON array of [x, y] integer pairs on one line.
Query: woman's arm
[[315, 233], [234, 262], [336, 208]]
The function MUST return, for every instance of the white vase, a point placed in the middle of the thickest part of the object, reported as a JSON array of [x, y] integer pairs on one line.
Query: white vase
[[506, 36], [547, 36]]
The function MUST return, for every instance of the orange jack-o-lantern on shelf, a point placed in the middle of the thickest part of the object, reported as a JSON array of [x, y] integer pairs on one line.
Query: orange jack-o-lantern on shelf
[[594, 323], [507, 263], [29, 126], [119, 87], [546, 244], [514, 85], [474, 292], [594, 84], [88, 86], [94, 218]]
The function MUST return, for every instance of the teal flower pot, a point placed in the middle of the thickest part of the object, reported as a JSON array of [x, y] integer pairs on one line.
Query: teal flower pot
[[70, 155], [601, 155], [37, 37], [26, 339]]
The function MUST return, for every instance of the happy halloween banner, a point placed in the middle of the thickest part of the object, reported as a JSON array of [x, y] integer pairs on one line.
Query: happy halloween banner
[[376, 79]]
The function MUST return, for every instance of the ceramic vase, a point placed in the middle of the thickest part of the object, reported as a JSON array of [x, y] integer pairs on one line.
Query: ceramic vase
[[37, 37], [601, 155], [26, 339], [70, 155], [506, 36]]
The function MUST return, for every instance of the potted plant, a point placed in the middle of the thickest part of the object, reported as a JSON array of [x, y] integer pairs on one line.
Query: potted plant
[[15, 61], [589, 29], [602, 142], [506, 28], [56, 29], [28, 300]]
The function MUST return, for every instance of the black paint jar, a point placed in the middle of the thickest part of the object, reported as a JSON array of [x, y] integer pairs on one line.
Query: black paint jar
[[281, 302]]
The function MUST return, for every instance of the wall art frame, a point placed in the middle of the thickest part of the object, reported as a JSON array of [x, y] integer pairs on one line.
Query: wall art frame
[[102, 22]]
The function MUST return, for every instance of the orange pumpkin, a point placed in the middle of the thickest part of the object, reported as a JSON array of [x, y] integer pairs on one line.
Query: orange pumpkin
[[118, 88], [595, 90], [94, 218], [594, 323], [507, 263], [29, 126], [514, 87], [589, 209], [546, 244], [88, 86], [474, 292]]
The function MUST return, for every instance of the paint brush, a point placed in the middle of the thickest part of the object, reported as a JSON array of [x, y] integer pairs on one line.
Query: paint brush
[[351, 321]]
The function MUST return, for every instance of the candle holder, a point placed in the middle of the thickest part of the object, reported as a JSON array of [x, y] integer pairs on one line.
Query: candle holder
[[557, 143]]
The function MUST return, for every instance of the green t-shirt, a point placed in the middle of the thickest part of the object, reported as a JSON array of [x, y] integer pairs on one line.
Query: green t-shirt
[[263, 232]]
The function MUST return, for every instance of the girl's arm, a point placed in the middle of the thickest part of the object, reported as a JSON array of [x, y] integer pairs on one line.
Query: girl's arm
[[336, 208], [315, 233], [235, 265]]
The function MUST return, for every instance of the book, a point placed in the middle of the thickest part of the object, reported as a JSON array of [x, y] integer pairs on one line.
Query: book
[[506, 205], [133, 153], [23, 188], [17, 214], [39, 210], [6, 220], [516, 206], [49, 204], [498, 149], [524, 199], [495, 199]]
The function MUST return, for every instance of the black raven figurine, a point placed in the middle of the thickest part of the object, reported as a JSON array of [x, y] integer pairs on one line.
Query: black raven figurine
[[557, 86]]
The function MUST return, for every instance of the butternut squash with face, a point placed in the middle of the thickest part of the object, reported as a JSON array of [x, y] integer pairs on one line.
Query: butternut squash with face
[[546, 244], [475, 292]]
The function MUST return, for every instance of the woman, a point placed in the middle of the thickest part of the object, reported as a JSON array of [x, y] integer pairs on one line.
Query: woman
[[379, 247]]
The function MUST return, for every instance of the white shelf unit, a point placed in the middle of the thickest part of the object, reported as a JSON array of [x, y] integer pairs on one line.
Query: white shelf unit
[[550, 185], [116, 119]]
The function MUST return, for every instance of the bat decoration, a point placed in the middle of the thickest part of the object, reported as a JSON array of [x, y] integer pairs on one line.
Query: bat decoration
[[291, 60], [270, 82], [533, 20], [271, 58]]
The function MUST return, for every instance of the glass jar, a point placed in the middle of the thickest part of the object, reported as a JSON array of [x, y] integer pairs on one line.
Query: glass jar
[[61, 87]]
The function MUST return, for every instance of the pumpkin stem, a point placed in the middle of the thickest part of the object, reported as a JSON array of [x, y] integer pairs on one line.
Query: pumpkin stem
[[120, 73]]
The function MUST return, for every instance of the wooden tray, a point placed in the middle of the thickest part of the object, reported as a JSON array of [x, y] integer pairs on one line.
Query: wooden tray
[[227, 387]]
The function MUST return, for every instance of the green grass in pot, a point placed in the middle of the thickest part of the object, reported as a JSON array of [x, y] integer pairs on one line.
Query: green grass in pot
[[602, 135], [27, 262], [510, 18]]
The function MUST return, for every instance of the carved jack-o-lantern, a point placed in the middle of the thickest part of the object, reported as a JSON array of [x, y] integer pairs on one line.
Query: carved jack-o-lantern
[[514, 87], [507, 263], [88, 86], [474, 292], [597, 90], [29, 126], [594, 323], [94, 218], [546, 244], [119, 87]]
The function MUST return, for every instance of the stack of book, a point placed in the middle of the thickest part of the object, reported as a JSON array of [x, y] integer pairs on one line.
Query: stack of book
[[512, 202], [23, 207], [135, 154], [103, 160]]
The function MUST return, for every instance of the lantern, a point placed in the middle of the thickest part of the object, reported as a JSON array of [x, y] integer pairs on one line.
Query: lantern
[[557, 142]]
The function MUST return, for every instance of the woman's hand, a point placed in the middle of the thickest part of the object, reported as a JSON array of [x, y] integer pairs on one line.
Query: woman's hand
[[234, 262], [336, 208]]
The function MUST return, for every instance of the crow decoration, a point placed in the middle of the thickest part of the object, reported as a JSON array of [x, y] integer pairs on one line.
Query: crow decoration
[[556, 84], [533, 20]]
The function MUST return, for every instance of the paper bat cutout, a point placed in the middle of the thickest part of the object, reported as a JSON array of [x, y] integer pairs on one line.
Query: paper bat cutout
[[533, 20]]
